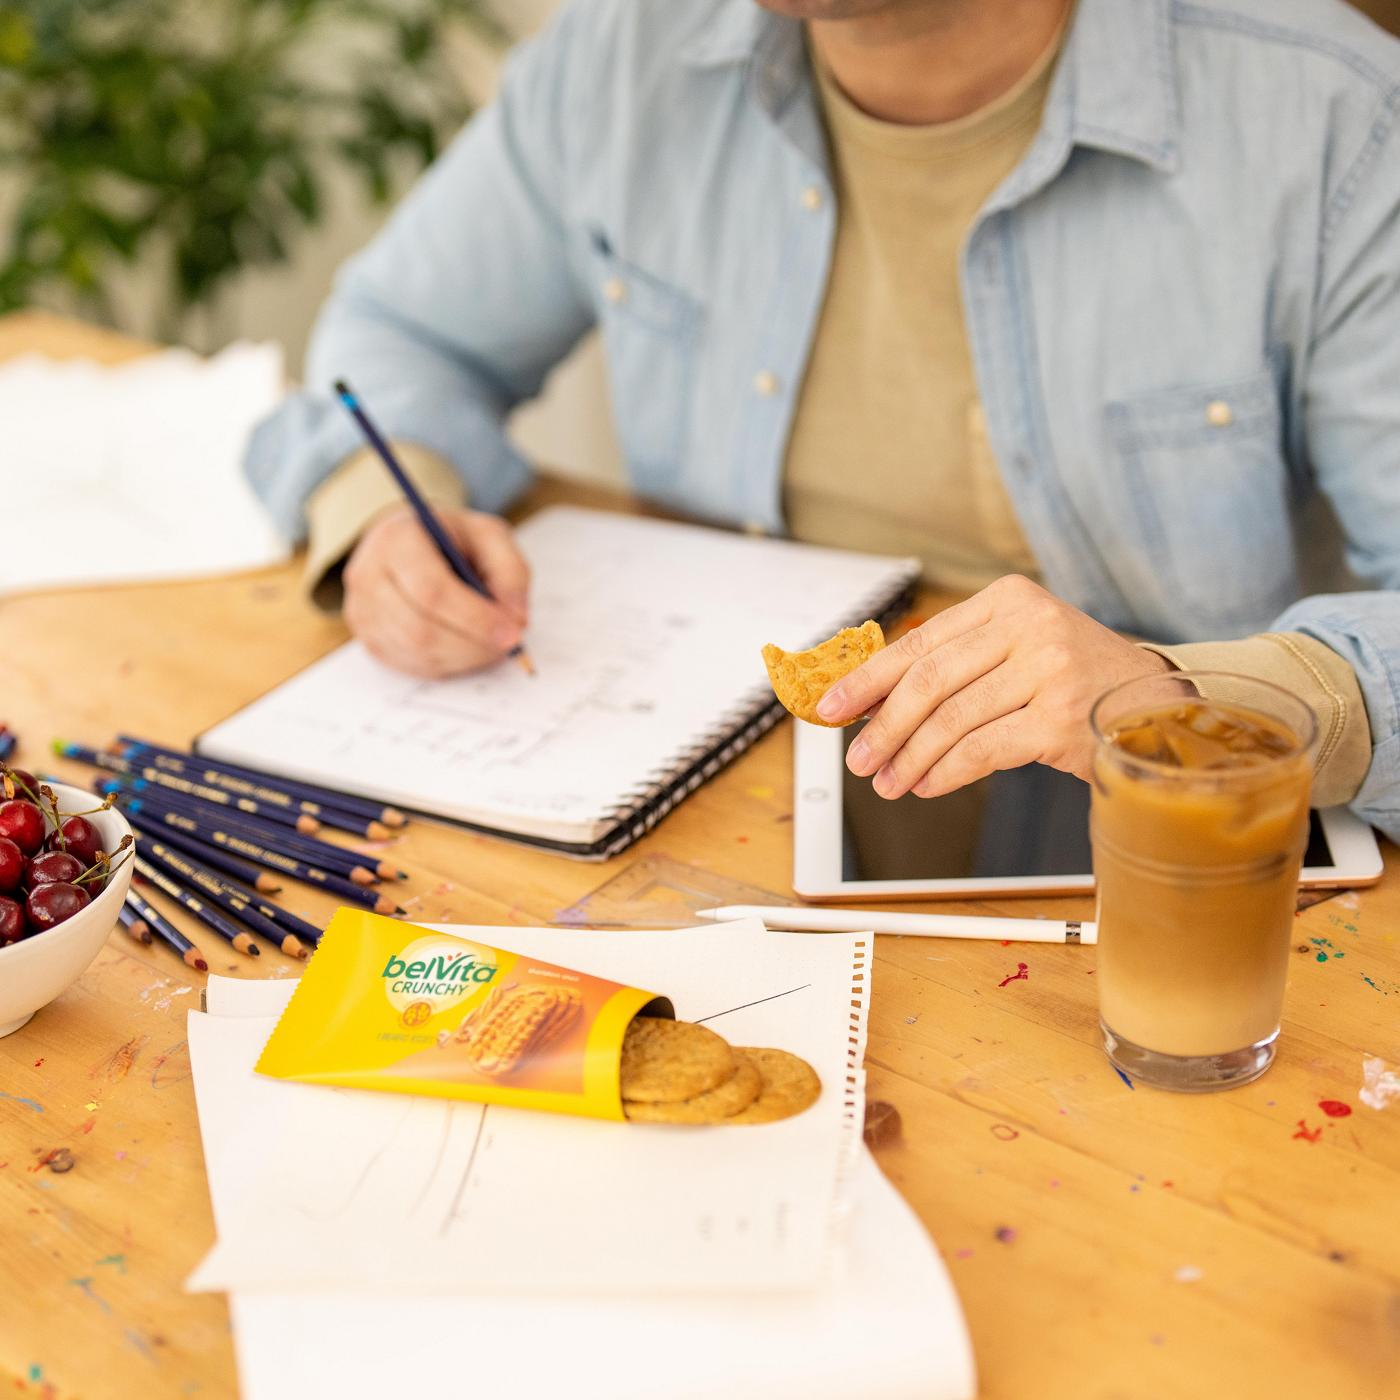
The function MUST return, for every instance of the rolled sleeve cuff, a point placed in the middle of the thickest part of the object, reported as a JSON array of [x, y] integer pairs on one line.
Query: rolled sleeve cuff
[[1318, 676], [352, 497]]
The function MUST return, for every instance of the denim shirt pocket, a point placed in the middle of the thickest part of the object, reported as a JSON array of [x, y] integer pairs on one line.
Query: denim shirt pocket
[[651, 334], [1206, 479]]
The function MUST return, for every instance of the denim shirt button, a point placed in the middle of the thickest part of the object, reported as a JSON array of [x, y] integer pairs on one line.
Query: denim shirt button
[[754, 527], [1219, 414], [615, 290], [766, 383], [812, 198]]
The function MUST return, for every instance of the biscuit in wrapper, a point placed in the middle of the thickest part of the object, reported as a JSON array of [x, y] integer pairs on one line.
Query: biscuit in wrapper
[[670, 1061], [714, 1106], [790, 1085], [801, 678]]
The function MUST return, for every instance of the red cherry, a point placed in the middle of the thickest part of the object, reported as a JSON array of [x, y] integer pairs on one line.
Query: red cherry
[[11, 865], [23, 823], [52, 865], [12, 922], [26, 784], [50, 905], [79, 837]]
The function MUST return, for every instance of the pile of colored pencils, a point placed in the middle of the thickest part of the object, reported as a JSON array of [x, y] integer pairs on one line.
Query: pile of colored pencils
[[216, 839]]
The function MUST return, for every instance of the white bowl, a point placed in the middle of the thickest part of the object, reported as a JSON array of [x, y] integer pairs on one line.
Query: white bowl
[[37, 969]]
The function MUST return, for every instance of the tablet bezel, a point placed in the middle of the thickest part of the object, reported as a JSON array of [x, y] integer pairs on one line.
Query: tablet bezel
[[818, 761]]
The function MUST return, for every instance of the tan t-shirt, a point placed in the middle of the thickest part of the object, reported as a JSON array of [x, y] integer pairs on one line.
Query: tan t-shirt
[[888, 449]]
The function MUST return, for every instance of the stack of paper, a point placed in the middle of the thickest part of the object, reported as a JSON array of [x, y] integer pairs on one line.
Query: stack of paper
[[560, 1255], [133, 472]]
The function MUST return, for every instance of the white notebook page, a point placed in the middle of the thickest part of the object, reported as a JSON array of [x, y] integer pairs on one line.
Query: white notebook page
[[646, 636]]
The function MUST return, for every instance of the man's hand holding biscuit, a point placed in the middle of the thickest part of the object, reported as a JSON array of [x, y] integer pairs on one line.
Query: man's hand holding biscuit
[[1005, 679]]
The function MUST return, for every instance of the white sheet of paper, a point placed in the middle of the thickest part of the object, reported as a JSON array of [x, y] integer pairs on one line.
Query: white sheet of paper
[[647, 638], [888, 1324], [344, 1189], [133, 472]]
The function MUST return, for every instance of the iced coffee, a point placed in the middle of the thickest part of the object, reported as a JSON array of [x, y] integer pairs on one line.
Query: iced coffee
[[1199, 821]]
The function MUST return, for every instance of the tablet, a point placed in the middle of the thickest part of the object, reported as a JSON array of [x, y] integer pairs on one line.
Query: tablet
[[1021, 832]]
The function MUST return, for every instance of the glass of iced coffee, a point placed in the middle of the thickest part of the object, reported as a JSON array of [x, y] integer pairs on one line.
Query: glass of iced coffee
[[1199, 822]]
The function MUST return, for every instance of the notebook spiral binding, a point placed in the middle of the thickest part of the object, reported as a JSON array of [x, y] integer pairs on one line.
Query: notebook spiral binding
[[643, 807]]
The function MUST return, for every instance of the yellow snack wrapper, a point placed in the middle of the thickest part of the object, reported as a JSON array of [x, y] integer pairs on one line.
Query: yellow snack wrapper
[[389, 1005]]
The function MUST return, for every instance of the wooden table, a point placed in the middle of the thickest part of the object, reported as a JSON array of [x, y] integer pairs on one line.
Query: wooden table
[[1106, 1241]]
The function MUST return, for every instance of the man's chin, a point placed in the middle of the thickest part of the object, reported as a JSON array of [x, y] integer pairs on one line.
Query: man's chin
[[824, 9]]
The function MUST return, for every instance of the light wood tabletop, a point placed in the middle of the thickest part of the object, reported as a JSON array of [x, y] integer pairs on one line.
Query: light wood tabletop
[[1106, 1240]]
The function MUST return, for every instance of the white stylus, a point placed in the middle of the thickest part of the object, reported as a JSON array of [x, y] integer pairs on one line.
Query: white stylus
[[806, 919]]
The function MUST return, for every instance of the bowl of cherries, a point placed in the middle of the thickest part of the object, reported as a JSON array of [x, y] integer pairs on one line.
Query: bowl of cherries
[[65, 866]]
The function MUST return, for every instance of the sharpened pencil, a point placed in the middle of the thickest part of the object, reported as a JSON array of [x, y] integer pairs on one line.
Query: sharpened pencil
[[268, 787], [189, 765], [135, 925], [140, 778], [455, 559], [168, 934], [351, 865], [246, 876], [210, 918], [220, 839], [209, 885]]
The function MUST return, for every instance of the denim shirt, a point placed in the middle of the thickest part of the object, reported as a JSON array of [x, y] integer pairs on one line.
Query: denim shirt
[[1183, 305]]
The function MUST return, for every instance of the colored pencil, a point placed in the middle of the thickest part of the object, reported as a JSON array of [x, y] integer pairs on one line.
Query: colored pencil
[[8, 740], [143, 777], [179, 860], [212, 835], [209, 886], [243, 874], [256, 792], [313, 799], [168, 934], [211, 918], [352, 865], [134, 924], [455, 559]]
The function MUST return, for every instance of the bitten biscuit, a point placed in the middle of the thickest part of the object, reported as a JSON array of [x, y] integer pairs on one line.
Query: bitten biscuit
[[722, 1102], [514, 1022], [790, 1085], [670, 1061], [801, 678]]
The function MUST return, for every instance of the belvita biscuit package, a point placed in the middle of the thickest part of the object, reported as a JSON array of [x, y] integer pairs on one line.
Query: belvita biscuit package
[[388, 1005]]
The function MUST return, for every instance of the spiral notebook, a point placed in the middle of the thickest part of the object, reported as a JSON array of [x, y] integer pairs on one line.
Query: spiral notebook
[[646, 638]]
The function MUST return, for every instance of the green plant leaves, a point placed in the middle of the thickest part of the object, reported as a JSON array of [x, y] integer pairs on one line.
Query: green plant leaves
[[202, 135]]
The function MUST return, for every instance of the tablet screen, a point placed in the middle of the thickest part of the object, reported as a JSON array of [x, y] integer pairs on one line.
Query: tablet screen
[[1028, 821]]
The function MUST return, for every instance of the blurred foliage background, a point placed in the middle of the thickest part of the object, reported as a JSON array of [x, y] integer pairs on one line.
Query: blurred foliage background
[[200, 134]]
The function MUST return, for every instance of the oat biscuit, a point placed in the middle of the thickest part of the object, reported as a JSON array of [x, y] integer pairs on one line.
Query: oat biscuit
[[790, 1085], [715, 1106], [801, 678], [514, 1022], [670, 1061]]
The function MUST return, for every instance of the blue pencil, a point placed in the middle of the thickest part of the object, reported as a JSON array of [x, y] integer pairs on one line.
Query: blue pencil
[[456, 560]]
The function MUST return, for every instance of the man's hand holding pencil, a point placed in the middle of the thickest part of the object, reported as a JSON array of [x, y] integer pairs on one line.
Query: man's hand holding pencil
[[434, 595], [412, 612]]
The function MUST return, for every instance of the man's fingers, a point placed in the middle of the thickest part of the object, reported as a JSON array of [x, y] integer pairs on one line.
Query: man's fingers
[[1002, 691], [1011, 741], [934, 680], [424, 578], [852, 697], [491, 546]]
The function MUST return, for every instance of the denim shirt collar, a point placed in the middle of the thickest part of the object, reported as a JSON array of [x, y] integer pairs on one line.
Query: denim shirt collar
[[1114, 90]]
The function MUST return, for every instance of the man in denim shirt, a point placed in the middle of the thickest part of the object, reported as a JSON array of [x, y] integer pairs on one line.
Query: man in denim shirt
[[1107, 295]]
